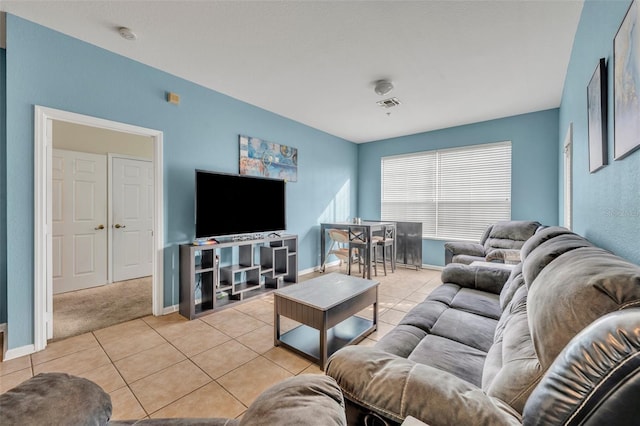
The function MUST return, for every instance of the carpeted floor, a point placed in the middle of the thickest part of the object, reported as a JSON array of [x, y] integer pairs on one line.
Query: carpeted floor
[[78, 312]]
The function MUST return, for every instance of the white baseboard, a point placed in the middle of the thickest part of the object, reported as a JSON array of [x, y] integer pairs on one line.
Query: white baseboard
[[318, 268], [337, 263], [434, 267], [170, 309], [18, 352]]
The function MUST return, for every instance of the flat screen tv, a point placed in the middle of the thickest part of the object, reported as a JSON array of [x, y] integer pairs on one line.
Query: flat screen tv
[[230, 204]]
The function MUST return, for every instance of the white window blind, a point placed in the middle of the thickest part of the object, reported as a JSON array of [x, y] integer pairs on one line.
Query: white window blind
[[455, 193]]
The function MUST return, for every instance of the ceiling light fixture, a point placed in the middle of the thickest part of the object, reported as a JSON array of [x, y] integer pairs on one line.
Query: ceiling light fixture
[[383, 87], [127, 34]]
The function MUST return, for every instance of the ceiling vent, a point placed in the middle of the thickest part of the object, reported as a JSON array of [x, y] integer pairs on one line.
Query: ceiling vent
[[389, 103]]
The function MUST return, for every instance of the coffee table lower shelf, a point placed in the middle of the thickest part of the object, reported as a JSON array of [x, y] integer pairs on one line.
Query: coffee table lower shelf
[[305, 340]]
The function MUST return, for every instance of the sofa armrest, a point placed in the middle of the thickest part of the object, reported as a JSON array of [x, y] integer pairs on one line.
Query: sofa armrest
[[395, 388], [453, 248], [483, 277], [510, 256], [55, 399]]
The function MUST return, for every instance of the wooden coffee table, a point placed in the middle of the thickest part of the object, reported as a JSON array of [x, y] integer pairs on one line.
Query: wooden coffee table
[[326, 307]]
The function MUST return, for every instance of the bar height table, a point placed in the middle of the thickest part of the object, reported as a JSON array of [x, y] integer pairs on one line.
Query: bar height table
[[369, 227]]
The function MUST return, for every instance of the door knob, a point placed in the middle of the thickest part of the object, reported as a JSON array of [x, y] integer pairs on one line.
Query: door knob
[[118, 226], [97, 228]]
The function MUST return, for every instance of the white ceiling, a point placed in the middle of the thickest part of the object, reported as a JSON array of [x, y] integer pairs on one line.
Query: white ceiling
[[452, 62]]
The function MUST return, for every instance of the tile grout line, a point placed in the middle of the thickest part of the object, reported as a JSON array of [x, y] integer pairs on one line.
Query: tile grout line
[[113, 364], [414, 290]]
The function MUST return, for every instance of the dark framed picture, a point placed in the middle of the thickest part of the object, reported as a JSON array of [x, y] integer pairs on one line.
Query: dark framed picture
[[626, 85], [597, 117]]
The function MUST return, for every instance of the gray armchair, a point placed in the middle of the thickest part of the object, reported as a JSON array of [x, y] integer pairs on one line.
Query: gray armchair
[[501, 242]]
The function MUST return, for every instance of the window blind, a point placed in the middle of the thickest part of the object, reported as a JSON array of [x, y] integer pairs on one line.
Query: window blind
[[455, 193]]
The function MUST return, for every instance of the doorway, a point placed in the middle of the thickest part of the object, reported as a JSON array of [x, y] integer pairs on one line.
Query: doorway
[[102, 229], [43, 224]]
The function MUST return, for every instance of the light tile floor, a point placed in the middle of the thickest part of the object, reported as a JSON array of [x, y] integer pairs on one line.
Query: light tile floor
[[158, 367]]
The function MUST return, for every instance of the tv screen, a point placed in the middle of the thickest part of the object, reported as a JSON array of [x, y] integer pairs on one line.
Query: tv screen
[[228, 204]]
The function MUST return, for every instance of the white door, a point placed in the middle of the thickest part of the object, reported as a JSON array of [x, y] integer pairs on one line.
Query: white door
[[132, 218], [79, 219]]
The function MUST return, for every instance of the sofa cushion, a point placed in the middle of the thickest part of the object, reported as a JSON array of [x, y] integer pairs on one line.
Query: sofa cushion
[[544, 234], [511, 368], [548, 251], [451, 330], [445, 354], [485, 277], [470, 329], [515, 281], [401, 340], [477, 302], [573, 291], [395, 388]]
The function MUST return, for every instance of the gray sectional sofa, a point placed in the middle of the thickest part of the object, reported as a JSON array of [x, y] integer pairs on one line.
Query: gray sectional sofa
[[556, 341]]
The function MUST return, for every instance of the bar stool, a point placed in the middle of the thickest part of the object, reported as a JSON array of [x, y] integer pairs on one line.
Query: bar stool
[[385, 241], [358, 240], [339, 241]]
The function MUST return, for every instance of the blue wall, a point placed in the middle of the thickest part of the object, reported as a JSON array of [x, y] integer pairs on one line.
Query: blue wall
[[534, 188], [50, 69], [3, 188], [606, 206]]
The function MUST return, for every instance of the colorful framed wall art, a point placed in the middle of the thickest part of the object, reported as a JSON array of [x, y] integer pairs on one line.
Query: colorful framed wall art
[[268, 159]]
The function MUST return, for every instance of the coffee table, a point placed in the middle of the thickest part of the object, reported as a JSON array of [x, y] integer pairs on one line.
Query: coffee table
[[326, 307]]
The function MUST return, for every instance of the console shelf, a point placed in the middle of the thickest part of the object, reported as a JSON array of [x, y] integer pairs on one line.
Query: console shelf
[[217, 275]]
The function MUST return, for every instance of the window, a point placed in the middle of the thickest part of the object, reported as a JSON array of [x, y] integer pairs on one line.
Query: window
[[455, 193]]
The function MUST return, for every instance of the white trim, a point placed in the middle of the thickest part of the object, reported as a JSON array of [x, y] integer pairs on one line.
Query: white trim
[[170, 309], [42, 284], [18, 352], [42, 212], [318, 268], [433, 267], [109, 218], [3, 349], [567, 193]]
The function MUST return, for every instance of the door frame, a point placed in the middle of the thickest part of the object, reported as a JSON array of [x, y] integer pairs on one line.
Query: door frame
[[42, 265]]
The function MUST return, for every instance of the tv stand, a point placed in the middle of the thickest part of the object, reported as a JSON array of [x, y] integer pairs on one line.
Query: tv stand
[[214, 275]]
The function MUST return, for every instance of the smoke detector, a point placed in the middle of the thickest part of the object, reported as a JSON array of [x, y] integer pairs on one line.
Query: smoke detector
[[389, 103], [127, 34], [383, 87]]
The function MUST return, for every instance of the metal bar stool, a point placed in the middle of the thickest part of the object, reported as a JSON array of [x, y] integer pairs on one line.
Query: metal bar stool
[[386, 241], [358, 240]]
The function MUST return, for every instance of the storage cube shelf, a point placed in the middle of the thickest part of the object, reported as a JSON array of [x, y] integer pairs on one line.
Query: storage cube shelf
[[262, 264]]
